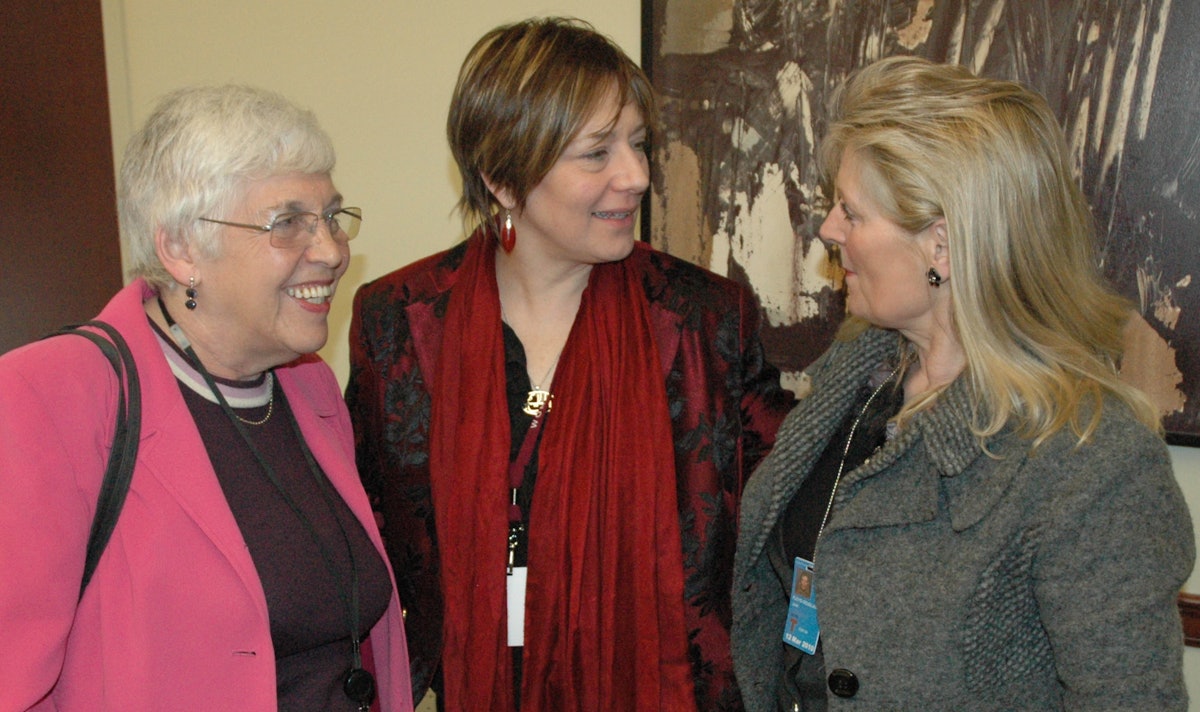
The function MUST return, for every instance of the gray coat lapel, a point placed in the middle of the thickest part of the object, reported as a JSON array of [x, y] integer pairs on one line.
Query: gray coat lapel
[[836, 376], [937, 446]]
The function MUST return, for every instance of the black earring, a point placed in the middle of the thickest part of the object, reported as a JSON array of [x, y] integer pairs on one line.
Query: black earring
[[934, 278], [191, 293]]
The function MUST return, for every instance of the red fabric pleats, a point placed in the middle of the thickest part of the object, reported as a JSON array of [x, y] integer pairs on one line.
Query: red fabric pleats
[[604, 623], [468, 457]]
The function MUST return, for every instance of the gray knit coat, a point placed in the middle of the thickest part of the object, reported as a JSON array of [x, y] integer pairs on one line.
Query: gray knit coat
[[948, 579]]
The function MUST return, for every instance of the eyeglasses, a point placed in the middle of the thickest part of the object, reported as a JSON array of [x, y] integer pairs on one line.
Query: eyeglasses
[[290, 230]]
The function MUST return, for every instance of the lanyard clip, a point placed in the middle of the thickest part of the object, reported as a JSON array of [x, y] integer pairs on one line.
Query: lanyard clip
[[514, 530]]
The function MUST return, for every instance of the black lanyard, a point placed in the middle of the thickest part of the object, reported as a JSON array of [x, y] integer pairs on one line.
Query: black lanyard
[[358, 684]]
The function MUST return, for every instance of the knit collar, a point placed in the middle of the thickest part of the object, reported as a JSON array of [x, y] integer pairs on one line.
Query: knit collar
[[252, 393]]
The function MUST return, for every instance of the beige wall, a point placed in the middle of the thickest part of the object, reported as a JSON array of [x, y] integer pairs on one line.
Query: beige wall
[[378, 74]]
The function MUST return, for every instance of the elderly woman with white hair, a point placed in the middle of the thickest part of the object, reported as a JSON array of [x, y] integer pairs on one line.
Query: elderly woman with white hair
[[245, 570], [983, 514]]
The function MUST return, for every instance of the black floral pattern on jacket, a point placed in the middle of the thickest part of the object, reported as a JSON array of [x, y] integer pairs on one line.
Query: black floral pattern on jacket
[[725, 405]]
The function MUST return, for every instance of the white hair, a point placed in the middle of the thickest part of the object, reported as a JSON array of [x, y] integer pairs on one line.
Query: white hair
[[196, 153]]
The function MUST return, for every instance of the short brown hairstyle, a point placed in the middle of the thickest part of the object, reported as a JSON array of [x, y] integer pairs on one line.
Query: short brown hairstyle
[[523, 93]]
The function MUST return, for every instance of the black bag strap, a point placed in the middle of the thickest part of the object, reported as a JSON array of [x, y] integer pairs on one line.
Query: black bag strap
[[119, 471]]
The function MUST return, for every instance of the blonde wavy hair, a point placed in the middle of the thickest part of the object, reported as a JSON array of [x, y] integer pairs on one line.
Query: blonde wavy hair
[[1041, 329]]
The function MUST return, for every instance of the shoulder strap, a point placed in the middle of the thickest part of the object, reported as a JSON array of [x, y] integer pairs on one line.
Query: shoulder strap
[[119, 471]]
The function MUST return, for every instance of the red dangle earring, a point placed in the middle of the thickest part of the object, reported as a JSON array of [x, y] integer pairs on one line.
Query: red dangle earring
[[508, 233]]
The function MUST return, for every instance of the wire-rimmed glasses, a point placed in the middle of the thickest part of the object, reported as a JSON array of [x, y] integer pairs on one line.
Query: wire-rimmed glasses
[[296, 229]]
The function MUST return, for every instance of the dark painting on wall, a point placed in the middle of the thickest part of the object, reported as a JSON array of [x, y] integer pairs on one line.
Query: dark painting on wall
[[745, 85]]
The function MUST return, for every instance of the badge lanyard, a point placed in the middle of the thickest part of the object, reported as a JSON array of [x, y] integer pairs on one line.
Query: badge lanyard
[[358, 684], [517, 575], [801, 629]]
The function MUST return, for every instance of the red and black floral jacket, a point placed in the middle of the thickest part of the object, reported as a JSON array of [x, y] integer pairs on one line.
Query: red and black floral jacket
[[725, 404]]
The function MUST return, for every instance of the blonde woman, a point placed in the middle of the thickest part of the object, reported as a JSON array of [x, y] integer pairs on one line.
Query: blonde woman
[[987, 512]]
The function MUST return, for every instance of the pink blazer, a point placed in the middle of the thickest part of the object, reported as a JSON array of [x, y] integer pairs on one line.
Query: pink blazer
[[175, 617]]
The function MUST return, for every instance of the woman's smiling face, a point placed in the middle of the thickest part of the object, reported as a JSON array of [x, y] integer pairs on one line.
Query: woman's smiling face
[[261, 306], [585, 209]]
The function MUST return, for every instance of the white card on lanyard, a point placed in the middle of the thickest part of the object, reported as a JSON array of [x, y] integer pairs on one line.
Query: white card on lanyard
[[516, 605]]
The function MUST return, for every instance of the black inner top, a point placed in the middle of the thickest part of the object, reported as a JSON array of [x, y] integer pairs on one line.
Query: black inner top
[[306, 600], [803, 677], [518, 385]]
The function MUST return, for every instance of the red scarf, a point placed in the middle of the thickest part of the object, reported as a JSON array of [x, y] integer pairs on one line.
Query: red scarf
[[604, 625]]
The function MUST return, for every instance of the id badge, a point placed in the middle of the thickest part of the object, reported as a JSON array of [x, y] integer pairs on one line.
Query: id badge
[[515, 590], [800, 630]]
